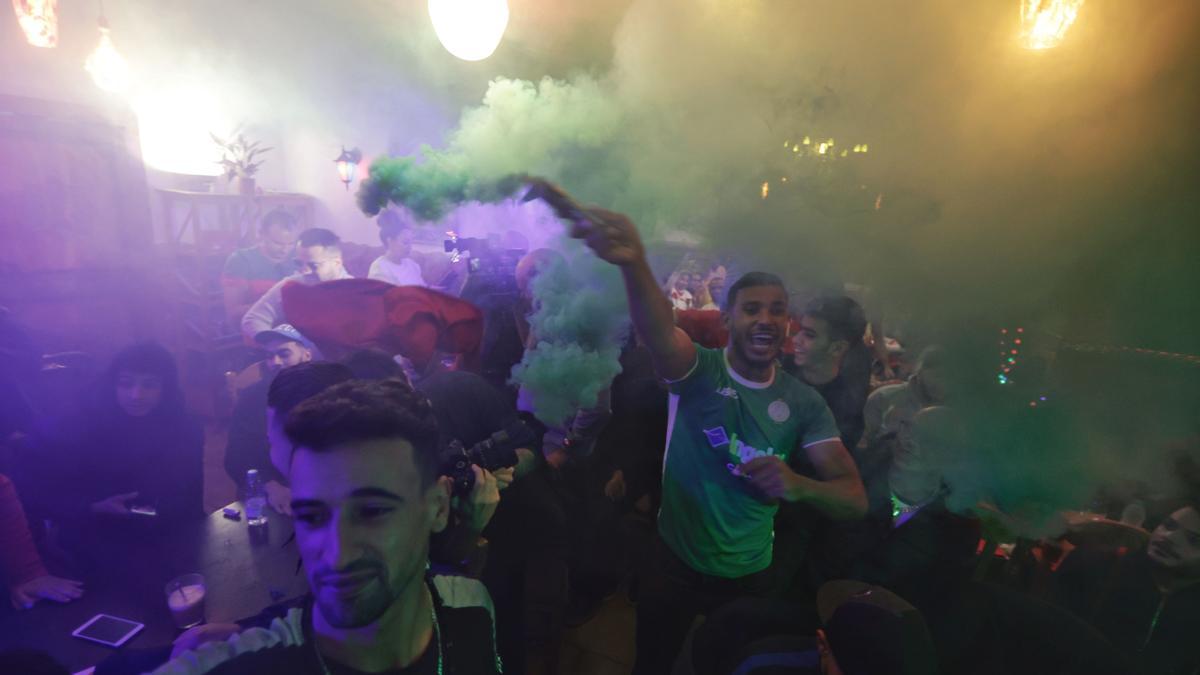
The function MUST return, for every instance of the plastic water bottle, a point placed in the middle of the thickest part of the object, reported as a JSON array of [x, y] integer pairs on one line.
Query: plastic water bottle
[[256, 499]]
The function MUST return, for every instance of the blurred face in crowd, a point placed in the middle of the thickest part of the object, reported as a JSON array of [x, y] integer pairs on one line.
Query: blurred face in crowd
[[1175, 543], [363, 518], [814, 345], [695, 281], [716, 287], [757, 323], [283, 353], [138, 394], [320, 263], [681, 282], [399, 247], [278, 242]]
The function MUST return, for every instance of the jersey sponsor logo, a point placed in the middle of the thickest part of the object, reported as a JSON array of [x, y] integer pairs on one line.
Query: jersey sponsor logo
[[728, 392], [740, 453], [716, 437]]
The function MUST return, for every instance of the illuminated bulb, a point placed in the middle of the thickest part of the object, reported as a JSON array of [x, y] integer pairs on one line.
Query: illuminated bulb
[[795, 148], [864, 148], [469, 29], [38, 19], [766, 189], [844, 153], [822, 148], [807, 141], [1044, 23], [787, 144], [175, 124], [106, 66], [783, 179]]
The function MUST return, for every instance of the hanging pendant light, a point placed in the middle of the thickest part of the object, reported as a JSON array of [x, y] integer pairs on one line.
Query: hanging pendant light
[[38, 19], [1044, 23], [107, 67], [469, 29]]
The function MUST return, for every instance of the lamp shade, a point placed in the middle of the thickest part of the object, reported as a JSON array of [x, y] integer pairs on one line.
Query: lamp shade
[[469, 29], [347, 165], [106, 65], [38, 20]]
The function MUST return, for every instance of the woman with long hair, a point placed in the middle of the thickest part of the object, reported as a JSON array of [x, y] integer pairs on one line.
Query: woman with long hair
[[132, 453]]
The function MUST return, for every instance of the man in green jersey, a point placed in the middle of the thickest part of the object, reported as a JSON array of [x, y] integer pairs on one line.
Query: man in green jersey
[[735, 420]]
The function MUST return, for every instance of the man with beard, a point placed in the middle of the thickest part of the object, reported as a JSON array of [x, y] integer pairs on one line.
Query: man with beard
[[248, 447], [319, 257], [735, 421], [366, 498], [1146, 602], [251, 272]]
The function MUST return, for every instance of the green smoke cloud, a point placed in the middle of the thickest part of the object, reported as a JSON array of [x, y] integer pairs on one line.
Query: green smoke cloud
[[580, 319], [430, 189], [520, 128], [1050, 189]]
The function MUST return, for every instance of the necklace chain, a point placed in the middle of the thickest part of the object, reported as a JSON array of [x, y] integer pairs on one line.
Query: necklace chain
[[437, 636]]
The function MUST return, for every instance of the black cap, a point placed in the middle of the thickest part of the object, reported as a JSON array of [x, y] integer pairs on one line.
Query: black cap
[[872, 631]]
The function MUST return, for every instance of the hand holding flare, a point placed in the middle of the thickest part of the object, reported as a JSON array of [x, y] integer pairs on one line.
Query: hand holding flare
[[611, 235]]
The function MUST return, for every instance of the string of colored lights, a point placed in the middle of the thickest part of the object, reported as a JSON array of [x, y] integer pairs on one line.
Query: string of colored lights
[[1009, 354], [1190, 359]]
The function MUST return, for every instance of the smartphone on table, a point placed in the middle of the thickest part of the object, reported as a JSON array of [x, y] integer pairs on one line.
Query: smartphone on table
[[108, 630]]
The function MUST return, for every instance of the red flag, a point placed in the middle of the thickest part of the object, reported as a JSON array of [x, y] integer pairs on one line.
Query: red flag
[[348, 314]]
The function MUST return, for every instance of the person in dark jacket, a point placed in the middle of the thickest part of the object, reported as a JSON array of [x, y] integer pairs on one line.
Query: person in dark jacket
[[1145, 601], [133, 454]]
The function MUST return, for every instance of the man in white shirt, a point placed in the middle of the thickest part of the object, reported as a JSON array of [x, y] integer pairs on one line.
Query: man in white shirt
[[319, 258], [395, 266]]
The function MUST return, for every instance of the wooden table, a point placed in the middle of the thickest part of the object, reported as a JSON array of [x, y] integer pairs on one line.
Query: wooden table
[[244, 573]]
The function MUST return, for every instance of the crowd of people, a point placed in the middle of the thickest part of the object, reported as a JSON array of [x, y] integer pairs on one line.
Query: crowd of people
[[765, 480]]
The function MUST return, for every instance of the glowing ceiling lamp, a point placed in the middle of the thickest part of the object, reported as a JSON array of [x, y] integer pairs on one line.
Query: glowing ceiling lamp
[[38, 20], [176, 121], [1044, 23], [469, 29], [106, 66], [347, 165]]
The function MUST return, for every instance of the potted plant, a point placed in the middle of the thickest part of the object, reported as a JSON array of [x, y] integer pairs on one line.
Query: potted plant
[[238, 157]]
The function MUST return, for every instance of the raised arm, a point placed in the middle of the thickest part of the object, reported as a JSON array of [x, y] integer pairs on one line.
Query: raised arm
[[264, 313], [672, 351], [615, 239]]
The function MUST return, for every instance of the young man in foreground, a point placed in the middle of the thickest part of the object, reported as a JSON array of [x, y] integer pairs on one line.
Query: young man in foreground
[[366, 497]]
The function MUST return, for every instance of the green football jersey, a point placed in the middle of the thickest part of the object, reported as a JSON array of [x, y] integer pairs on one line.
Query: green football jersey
[[716, 521]]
